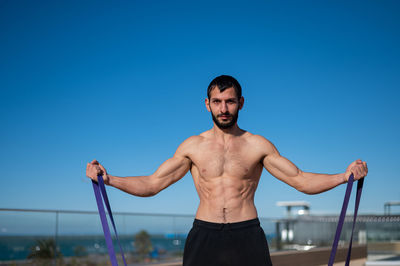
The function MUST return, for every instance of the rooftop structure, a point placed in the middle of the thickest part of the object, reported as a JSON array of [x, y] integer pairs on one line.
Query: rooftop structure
[[303, 205], [389, 204]]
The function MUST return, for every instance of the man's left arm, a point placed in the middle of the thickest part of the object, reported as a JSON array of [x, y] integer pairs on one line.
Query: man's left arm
[[309, 183]]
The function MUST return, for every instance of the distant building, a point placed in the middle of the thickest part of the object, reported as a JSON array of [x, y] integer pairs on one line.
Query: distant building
[[303, 205], [389, 204], [319, 230]]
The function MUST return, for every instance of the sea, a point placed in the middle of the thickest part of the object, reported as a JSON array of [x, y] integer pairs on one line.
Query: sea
[[19, 247]]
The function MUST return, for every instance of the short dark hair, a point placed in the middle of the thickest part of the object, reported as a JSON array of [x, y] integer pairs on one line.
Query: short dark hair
[[224, 82]]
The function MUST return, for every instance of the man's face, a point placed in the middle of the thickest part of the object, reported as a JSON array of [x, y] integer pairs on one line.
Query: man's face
[[224, 107]]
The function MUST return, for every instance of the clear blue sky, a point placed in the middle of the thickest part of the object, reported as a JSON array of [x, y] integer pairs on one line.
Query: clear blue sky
[[124, 82]]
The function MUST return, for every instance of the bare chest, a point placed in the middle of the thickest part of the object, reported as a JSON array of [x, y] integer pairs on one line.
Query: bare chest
[[234, 160]]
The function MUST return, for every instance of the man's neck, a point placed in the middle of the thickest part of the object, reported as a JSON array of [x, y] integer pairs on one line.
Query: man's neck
[[227, 133]]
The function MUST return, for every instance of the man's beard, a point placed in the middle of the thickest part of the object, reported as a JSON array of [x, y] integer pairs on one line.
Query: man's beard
[[228, 124]]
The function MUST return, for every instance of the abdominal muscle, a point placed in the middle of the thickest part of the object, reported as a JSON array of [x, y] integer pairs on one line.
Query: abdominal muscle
[[226, 199]]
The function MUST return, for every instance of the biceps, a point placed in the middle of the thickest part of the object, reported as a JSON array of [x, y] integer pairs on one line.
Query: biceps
[[281, 168], [171, 171]]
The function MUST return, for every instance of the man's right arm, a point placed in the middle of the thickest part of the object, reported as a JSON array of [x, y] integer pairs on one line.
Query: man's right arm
[[168, 173], [146, 186]]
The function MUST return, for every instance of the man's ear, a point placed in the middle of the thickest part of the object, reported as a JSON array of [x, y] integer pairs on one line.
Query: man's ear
[[207, 102], [241, 103]]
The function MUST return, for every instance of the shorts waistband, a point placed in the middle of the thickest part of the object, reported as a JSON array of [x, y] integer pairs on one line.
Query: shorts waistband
[[226, 226]]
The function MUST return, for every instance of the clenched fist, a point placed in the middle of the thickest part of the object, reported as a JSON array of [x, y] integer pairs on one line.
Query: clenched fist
[[94, 168], [358, 168]]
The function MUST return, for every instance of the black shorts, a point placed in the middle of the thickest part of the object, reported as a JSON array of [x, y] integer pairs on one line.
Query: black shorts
[[236, 244]]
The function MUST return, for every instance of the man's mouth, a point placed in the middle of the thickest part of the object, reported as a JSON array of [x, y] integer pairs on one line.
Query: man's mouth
[[224, 116]]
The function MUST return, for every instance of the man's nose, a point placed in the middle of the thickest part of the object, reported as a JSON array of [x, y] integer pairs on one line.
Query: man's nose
[[224, 107]]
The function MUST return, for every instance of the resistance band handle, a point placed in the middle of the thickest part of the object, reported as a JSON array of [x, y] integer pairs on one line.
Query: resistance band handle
[[100, 195], [342, 217]]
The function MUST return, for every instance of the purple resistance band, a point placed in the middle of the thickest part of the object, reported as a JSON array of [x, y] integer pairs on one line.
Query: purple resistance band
[[343, 215], [99, 191]]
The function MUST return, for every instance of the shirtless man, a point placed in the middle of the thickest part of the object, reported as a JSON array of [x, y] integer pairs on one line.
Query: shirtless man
[[226, 164]]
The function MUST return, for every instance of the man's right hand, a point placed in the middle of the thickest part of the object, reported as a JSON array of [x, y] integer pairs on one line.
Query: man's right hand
[[94, 168]]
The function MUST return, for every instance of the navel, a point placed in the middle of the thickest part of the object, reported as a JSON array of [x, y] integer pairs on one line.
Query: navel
[[224, 214]]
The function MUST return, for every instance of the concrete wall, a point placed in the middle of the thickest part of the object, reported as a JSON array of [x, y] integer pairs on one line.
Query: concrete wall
[[384, 247], [316, 256]]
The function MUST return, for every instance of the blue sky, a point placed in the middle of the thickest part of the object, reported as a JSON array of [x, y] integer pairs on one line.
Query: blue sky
[[124, 82]]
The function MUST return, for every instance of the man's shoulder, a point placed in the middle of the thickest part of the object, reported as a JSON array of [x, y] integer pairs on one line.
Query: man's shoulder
[[257, 139], [191, 142], [189, 146], [259, 142]]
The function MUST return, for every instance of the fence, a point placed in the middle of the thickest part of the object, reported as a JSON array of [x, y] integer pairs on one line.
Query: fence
[[78, 234]]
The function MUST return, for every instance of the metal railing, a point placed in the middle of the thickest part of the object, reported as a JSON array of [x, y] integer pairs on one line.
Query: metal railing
[[79, 233]]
